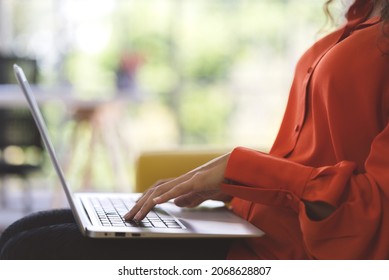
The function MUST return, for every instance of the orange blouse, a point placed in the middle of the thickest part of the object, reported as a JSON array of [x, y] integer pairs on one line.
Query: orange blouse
[[333, 147]]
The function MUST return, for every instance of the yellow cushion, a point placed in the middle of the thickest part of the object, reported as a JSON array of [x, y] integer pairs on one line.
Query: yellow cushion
[[154, 166]]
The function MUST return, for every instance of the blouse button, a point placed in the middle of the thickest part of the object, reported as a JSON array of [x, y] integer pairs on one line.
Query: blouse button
[[289, 196], [310, 69], [296, 128]]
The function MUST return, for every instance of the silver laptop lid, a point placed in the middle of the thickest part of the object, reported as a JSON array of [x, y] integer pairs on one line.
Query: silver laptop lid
[[36, 113]]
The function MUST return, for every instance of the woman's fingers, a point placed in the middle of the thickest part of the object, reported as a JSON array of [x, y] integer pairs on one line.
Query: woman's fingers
[[159, 182], [146, 202], [179, 190], [137, 207], [201, 180]]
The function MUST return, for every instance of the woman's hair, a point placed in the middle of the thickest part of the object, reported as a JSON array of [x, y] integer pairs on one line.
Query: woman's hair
[[383, 42], [384, 11]]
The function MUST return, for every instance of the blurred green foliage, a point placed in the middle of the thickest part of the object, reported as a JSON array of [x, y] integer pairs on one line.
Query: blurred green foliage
[[191, 50]]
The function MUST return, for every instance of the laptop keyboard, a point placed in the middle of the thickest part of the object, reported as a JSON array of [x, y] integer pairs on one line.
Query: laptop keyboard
[[111, 211]]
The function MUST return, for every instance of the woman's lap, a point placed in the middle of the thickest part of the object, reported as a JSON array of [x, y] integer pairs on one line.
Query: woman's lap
[[55, 235]]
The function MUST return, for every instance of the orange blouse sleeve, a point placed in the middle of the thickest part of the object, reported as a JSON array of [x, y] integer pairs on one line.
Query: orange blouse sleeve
[[360, 224]]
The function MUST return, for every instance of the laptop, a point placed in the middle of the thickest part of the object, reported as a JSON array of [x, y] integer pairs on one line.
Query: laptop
[[100, 215]]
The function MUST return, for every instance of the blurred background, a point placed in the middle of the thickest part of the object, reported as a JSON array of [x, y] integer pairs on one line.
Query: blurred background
[[115, 78]]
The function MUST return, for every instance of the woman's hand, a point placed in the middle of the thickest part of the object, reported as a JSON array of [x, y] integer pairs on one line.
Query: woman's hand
[[188, 190]]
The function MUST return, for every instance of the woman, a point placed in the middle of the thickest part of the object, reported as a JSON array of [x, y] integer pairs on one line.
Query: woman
[[322, 192]]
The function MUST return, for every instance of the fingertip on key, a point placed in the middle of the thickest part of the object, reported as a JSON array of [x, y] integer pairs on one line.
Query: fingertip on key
[[128, 216], [138, 217]]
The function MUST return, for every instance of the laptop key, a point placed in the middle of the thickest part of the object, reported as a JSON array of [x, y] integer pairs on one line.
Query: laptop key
[[159, 224], [174, 226], [118, 224]]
